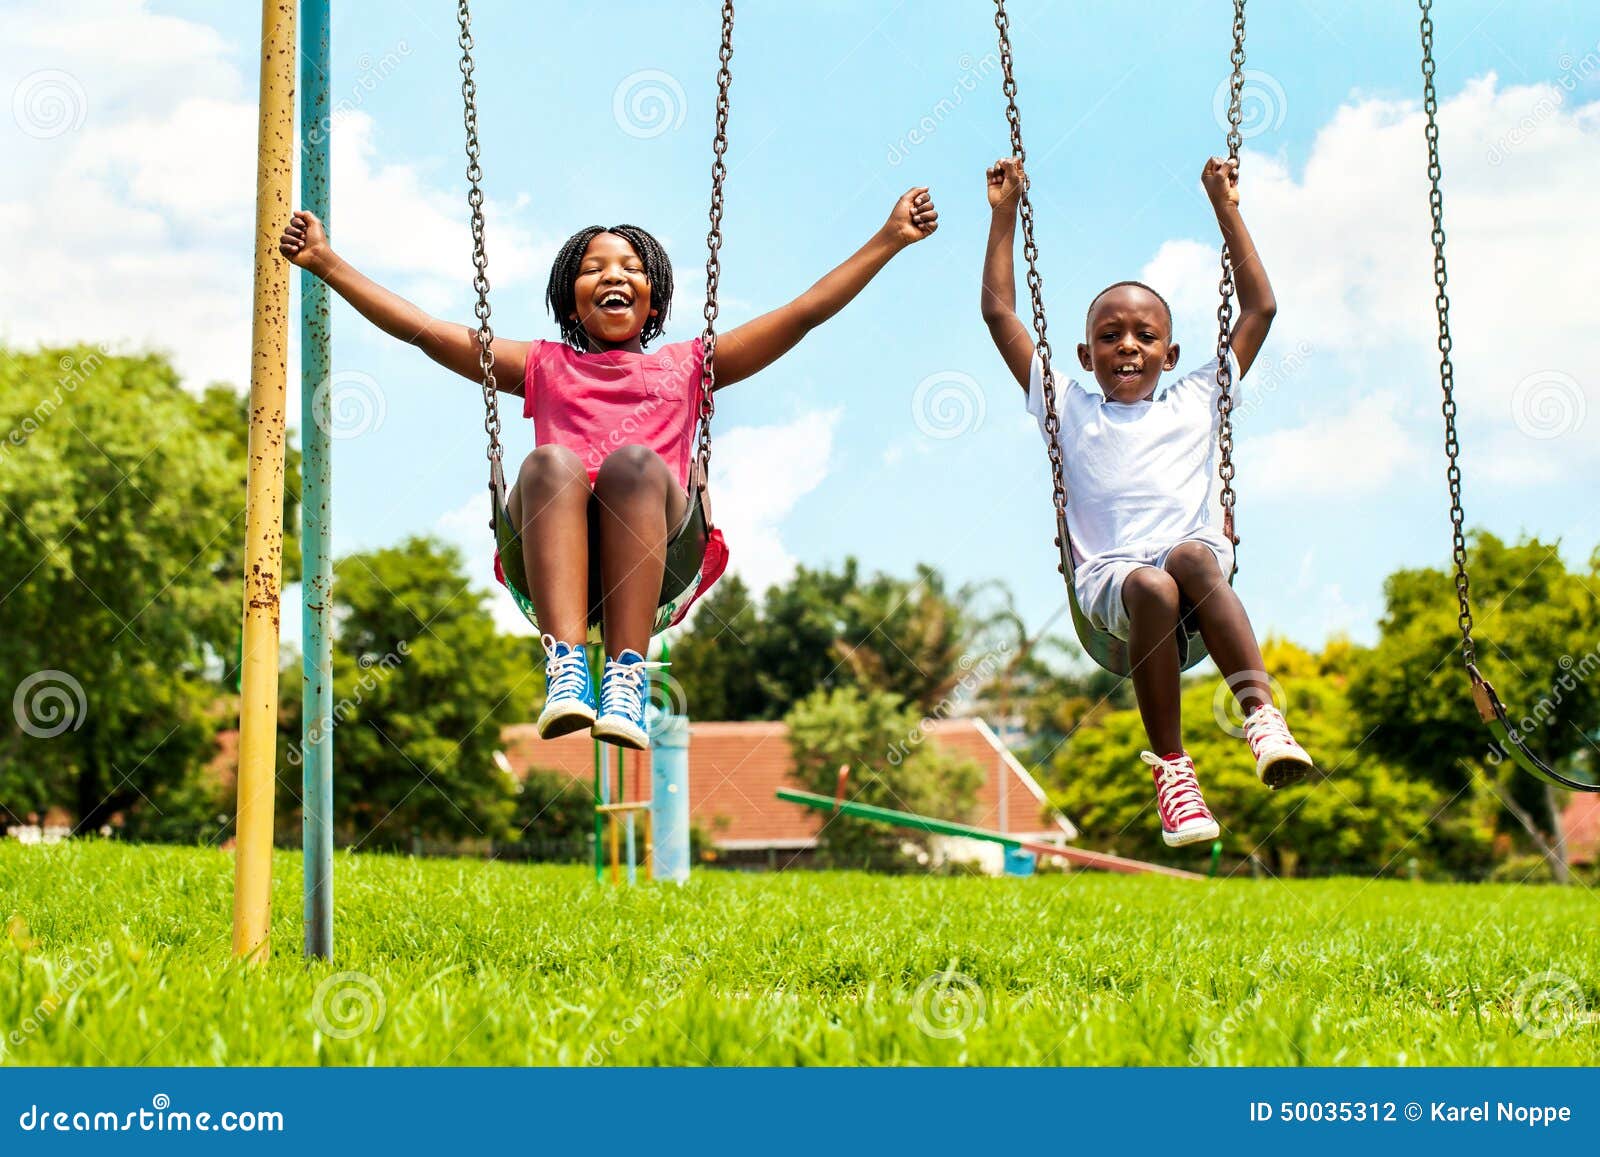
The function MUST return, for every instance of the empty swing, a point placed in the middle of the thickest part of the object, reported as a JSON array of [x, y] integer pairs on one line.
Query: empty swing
[[1490, 709]]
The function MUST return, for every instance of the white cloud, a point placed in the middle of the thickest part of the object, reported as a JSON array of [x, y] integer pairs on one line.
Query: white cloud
[[1360, 451], [1347, 245], [136, 226], [467, 529], [758, 475]]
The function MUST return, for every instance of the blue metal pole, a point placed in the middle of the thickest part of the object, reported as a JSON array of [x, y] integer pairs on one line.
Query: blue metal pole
[[316, 120], [669, 798]]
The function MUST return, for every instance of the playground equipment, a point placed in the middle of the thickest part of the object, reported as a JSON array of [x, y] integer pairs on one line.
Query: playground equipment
[[664, 817], [1490, 709], [258, 694], [1102, 646], [837, 805]]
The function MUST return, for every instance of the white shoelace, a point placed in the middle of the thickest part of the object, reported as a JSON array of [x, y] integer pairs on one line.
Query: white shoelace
[[1177, 789], [566, 675], [622, 690], [1266, 722]]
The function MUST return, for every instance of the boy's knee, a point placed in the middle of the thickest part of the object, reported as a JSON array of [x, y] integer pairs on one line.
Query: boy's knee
[[1149, 590], [630, 467], [1193, 562]]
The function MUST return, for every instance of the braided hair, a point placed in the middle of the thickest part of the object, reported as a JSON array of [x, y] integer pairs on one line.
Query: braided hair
[[1089, 316], [560, 296]]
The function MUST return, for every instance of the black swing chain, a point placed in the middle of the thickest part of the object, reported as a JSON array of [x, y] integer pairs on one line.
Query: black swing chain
[[719, 171], [1030, 250], [1225, 287], [1441, 302], [480, 257]]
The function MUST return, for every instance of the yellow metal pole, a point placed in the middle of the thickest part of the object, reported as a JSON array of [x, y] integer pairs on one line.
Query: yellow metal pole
[[269, 365]]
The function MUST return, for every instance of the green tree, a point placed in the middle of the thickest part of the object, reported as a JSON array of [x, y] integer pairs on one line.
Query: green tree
[[881, 740], [423, 684], [1367, 815], [819, 630], [120, 571], [1538, 637]]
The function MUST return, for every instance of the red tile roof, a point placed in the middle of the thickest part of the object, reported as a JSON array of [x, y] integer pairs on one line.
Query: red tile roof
[[735, 770], [1580, 823]]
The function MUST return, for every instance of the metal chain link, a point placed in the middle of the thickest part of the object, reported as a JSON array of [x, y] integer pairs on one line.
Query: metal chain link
[[719, 171], [1225, 287], [480, 257], [1441, 301], [1030, 251]]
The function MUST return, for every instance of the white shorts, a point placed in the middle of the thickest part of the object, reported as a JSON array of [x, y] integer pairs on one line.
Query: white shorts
[[1099, 583]]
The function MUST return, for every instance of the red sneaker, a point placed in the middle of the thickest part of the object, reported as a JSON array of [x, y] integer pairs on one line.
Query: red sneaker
[[1280, 761], [1185, 819]]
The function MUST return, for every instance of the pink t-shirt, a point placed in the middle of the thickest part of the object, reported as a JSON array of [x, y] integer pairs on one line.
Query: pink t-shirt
[[596, 403]]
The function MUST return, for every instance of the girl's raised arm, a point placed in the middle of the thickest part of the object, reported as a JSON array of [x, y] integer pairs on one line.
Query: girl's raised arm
[[453, 346], [755, 345]]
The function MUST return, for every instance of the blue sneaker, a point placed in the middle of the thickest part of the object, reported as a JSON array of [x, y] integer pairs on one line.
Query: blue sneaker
[[624, 695], [569, 698]]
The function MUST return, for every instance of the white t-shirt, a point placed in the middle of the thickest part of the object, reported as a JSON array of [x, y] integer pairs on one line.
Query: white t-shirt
[[1140, 476]]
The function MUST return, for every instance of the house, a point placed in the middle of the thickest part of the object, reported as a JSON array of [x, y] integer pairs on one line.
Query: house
[[1580, 824], [735, 770]]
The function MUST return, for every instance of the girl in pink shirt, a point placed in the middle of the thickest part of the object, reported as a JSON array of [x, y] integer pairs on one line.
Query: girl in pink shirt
[[614, 423]]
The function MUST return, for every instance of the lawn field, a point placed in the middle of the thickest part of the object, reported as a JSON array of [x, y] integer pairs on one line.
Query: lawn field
[[120, 955]]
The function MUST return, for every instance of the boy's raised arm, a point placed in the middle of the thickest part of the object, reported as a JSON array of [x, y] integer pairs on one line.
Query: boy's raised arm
[[1257, 306], [999, 302], [752, 347], [453, 346]]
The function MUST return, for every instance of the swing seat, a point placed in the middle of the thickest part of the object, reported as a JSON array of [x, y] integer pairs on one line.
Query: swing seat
[[696, 557], [1509, 736], [1105, 648]]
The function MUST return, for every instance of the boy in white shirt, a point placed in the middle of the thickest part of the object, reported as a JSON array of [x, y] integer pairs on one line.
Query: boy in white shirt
[[1145, 518]]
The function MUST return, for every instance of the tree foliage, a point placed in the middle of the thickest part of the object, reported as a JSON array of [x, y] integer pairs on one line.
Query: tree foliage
[[423, 684], [878, 736], [121, 571]]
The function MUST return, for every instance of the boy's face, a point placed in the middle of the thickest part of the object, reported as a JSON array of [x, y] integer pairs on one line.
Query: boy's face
[[1130, 343], [612, 293]]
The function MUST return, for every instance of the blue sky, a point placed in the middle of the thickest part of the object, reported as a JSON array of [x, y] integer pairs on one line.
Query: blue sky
[[893, 432]]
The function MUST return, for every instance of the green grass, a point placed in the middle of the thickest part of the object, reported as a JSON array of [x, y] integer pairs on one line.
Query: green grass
[[481, 963]]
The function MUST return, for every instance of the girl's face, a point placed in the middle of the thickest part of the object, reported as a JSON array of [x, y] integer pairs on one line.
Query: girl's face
[[612, 293]]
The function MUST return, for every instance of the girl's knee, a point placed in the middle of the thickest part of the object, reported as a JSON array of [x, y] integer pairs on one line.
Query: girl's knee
[[631, 467], [550, 466]]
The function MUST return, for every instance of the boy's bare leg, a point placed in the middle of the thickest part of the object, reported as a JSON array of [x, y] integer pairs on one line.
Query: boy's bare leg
[[1151, 598], [1222, 621]]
